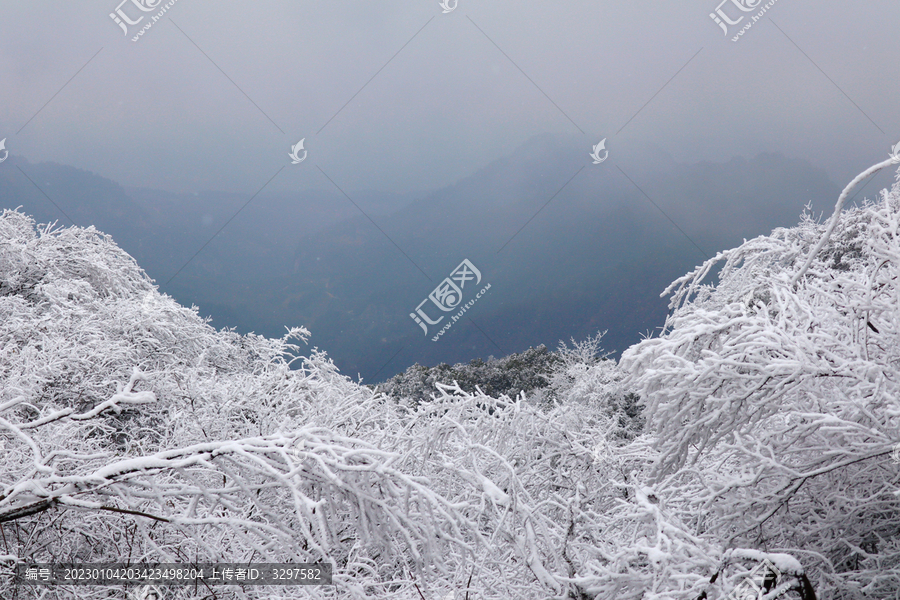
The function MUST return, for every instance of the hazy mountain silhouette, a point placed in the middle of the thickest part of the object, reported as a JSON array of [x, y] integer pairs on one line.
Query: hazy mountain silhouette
[[568, 247], [164, 230], [52, 192], [596, 257]]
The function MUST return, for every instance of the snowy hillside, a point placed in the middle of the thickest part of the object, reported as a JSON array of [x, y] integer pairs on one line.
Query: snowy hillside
[[130, 429]]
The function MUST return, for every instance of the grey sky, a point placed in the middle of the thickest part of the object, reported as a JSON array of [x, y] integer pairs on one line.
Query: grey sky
[[158, 113]]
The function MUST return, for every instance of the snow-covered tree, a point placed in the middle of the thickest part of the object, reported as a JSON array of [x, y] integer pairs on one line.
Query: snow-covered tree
[[584, 374], [756, 432], [510, 375], [133, 431], [774, 397]]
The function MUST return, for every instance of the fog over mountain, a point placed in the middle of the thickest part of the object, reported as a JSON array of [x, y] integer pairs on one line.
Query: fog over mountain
[[569, 250], [450, 300]]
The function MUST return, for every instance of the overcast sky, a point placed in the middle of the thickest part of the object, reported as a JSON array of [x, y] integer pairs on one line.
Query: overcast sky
[[399, 96]]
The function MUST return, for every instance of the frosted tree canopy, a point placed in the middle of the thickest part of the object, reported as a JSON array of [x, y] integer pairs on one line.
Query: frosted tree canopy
[[760, 424]]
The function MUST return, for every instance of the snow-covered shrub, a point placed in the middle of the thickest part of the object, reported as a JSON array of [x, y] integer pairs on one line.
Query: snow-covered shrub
[[132, 430], [584, 374], [560, 521], [510, 375], [774, 397]]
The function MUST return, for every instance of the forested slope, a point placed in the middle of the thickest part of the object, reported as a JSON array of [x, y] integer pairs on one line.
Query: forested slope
[[759, 424]]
